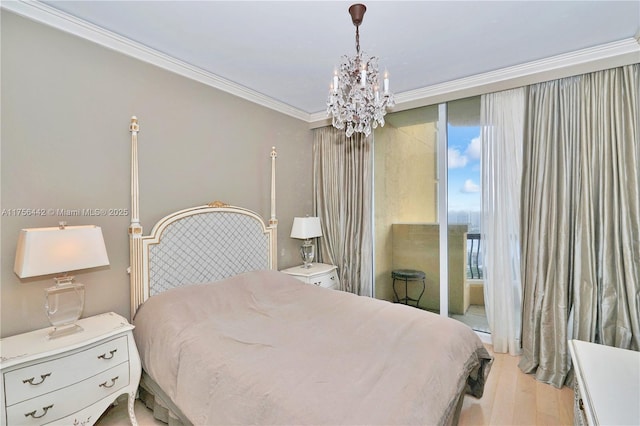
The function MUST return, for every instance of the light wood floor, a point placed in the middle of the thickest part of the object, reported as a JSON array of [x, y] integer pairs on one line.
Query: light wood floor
[[510, 398], [514, 398]]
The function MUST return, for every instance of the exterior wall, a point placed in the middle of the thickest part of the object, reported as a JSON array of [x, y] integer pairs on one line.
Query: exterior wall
[[404, 191], [476, 292]]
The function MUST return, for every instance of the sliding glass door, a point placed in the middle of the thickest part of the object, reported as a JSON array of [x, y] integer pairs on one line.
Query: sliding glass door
[[427, 210]]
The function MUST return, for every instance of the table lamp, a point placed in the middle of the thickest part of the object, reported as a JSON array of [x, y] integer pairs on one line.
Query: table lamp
[[44, 251], [305, 228]]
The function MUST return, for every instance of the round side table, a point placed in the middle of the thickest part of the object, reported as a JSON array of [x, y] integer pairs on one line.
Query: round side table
[[407, 275]]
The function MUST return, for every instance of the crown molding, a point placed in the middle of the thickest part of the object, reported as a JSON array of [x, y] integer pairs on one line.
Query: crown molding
[[610, 55], [47, 15], [592, 59]]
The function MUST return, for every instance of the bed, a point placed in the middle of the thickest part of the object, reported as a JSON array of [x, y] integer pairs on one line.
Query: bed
[[225, 338]]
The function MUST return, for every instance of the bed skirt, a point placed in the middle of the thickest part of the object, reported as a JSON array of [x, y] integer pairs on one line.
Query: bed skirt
[[158, 402], [164, 410]]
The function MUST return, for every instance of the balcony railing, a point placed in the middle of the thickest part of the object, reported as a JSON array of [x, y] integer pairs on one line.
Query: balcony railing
[[474, 257]]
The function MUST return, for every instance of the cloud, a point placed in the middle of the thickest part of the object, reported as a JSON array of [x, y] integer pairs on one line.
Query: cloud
[[458, 160], [470, 186], [474, 149], [455, 159]]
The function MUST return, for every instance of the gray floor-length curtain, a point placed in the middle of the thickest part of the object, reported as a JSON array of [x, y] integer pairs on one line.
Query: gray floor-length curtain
[[342, 182], [580, 223]]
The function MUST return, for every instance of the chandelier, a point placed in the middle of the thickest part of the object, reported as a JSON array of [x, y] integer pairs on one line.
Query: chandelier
[[356, 99]]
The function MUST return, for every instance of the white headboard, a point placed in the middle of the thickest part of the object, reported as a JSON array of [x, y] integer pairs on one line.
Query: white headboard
[[196, 245]]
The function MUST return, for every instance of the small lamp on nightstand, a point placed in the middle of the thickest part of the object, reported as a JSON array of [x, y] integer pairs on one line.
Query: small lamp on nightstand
[[305, 228], [44, 251]]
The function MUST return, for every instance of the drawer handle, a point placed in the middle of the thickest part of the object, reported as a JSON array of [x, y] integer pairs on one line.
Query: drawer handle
[[104, 355], [42, 379], [105, 385], [44, 413]]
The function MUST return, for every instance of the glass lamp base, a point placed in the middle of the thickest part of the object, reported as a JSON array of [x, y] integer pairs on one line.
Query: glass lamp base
[[65, 330], [307, 251], [64, 303]]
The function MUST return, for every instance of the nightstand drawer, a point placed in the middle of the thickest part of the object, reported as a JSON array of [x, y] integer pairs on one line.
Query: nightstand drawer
[[59, 404], [326, 281], [37, 379]]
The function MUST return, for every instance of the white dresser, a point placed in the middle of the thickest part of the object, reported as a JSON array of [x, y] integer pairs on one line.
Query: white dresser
[[70, 380], [607, 388], [319, 274]]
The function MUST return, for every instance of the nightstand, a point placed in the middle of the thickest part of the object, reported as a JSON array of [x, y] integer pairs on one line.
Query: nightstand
[[319, 274], [70, 380], [607, 384]]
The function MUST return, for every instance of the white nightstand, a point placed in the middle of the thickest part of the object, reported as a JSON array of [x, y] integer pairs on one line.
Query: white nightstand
[[70, 380], [607, 384], [319, 274]]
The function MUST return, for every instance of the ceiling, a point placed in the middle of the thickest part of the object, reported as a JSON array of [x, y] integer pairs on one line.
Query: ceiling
[[287, 50]]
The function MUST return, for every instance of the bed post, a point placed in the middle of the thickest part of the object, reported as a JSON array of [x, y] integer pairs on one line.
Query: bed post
[[135, 229], [273, 221]]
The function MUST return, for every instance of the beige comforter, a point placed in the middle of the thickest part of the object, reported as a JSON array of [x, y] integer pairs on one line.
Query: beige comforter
[[264, 348]]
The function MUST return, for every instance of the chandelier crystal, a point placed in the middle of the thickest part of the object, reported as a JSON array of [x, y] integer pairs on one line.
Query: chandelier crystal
[[356, 99]]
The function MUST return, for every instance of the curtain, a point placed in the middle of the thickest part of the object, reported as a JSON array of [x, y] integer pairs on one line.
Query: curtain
[[580, 218], [342, 182], [501, 124]]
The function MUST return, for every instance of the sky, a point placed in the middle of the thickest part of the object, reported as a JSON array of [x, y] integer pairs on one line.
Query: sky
[[464, 168]]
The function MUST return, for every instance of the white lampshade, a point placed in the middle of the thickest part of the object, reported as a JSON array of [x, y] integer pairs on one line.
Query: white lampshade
[[306, 227], [44, 251]]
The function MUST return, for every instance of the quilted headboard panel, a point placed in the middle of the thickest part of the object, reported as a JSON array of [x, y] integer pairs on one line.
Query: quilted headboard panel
[[206, 247]]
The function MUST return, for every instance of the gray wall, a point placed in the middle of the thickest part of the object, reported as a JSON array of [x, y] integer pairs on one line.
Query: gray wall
[[65, 144]]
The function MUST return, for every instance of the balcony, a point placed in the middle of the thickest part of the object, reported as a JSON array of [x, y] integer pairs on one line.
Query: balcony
[[416, 246], [474, 278], [474, 268]]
